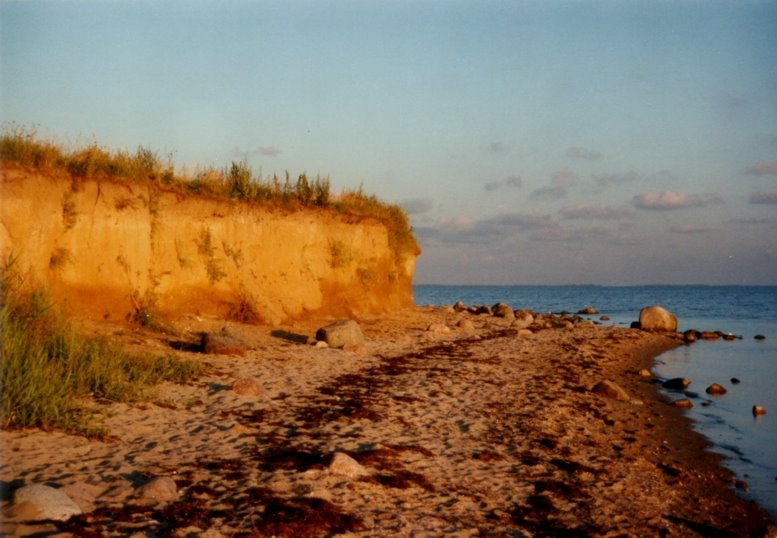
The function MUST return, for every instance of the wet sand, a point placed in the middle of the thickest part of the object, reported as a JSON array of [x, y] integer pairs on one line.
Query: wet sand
[[482, 432]]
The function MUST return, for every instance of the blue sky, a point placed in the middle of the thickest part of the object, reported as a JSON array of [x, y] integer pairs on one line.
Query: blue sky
[[605, 142]]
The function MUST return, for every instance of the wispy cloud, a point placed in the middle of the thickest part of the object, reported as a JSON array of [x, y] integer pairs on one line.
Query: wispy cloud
[[262, 151], [498, 147], [672, 200], [764, 197], [604, 180], [583, 153], [416, 206], [509, 181], [598, 211], [562, 177], [549, 193], [762, 168], [690, 229]]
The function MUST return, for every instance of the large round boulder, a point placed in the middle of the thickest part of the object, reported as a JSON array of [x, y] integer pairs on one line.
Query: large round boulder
[[657, 318]]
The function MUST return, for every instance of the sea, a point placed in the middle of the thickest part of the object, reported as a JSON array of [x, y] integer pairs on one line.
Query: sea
[[747, 443]]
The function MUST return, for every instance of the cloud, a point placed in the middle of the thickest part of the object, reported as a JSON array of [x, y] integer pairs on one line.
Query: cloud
[[583, 153], [520, 221], [604, 180], [562, 177], [764, 197], [689, 229], [264, 151], [498, 147], [762, 168], [671, 200], [600, 211], [416, 206], [509, 181], [550, 193], [464, 229]]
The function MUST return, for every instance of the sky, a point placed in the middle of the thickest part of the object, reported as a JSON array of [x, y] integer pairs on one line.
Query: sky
[[575, 142]]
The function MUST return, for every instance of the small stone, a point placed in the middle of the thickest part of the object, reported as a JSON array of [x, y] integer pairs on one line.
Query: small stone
[[710, 335], [683, 403], [676, 383], [588, 311], [466, 325], [160, 488], [716, 389], [610, 389], [345, 465], [645, 373], [321, 343], [605, 317], [735, 381], [38, 501], [758, 410], [247, 387], [459, 307], [690, 336], [438, 328], [760, 337], [742, 485]]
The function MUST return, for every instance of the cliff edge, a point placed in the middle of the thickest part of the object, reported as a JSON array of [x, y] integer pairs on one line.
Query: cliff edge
[[116, 249]]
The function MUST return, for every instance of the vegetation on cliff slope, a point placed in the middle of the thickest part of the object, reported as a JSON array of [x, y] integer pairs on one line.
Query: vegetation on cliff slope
[[24, 148], [47, 371]]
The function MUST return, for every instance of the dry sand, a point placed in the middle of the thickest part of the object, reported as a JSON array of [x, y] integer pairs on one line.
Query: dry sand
[[471, 433]]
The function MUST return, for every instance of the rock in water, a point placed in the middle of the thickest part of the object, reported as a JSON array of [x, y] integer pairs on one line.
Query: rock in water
[[38, 501], [758, 410], [610, 389], [683, 403], [716, 389], [657, 318], [340, 333], [676, 383]]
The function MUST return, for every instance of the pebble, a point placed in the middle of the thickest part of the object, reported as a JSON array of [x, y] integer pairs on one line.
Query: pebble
[[716, 389], [758, 410], [683, 403]]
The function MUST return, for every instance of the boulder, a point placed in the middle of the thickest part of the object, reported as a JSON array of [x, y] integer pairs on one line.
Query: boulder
[[690, 336], [459, 307], [588, 311], [219, 344], [160, 488], [340, 333], [657, 318], [502, 310], [478, 310], [344, 465], [38, 501], [676, 383], [523, 319], [716, 389], [710, 335], [610, 389]]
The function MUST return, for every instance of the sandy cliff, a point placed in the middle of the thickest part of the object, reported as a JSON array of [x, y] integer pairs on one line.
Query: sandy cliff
[[110, 249]]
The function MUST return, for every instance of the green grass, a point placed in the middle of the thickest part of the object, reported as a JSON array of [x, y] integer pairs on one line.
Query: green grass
[[50, 376], [24, 148]]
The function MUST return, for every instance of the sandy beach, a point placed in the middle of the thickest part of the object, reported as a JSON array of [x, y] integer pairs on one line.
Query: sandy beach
[[477, 431]]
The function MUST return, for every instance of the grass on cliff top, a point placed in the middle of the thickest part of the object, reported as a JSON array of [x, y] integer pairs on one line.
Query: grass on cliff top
[[23, 147], [48, 372]]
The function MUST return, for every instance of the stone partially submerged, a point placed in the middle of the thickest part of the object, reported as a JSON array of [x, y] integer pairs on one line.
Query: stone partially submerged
[[657, 318]]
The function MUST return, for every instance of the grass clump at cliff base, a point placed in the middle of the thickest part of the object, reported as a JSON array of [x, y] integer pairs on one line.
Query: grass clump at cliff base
[[22, 147], [49, 374]]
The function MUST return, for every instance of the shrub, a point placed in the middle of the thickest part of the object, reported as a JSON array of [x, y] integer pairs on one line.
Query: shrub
[[46, 369]]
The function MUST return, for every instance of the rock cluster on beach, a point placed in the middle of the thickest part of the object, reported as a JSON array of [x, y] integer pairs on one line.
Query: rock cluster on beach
[[455, 421]]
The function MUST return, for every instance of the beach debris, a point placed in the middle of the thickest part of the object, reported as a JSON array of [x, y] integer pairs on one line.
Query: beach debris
[[502, 310], [38, 501], [683, 403], [588, 311], [657, 318], [691, 335], [247, 386], [340, 333], [159, 488], [221, 344], [344, 465], [438, 328], [676, 383], [610, 389], [716, 389], [758, 410]]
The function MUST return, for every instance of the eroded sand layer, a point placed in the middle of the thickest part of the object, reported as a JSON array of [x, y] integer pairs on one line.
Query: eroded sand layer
[[478, 433]]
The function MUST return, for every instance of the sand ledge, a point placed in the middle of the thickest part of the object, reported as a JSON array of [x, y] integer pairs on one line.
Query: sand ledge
[[472, 433]]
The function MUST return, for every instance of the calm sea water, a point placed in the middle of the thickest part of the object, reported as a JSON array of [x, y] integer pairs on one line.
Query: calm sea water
[[749, 444]]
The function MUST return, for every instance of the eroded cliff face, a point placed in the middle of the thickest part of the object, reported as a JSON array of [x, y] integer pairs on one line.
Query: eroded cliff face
[[112, 249]]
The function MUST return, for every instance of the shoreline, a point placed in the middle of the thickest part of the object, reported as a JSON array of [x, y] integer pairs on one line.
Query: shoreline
[[461, 432]]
